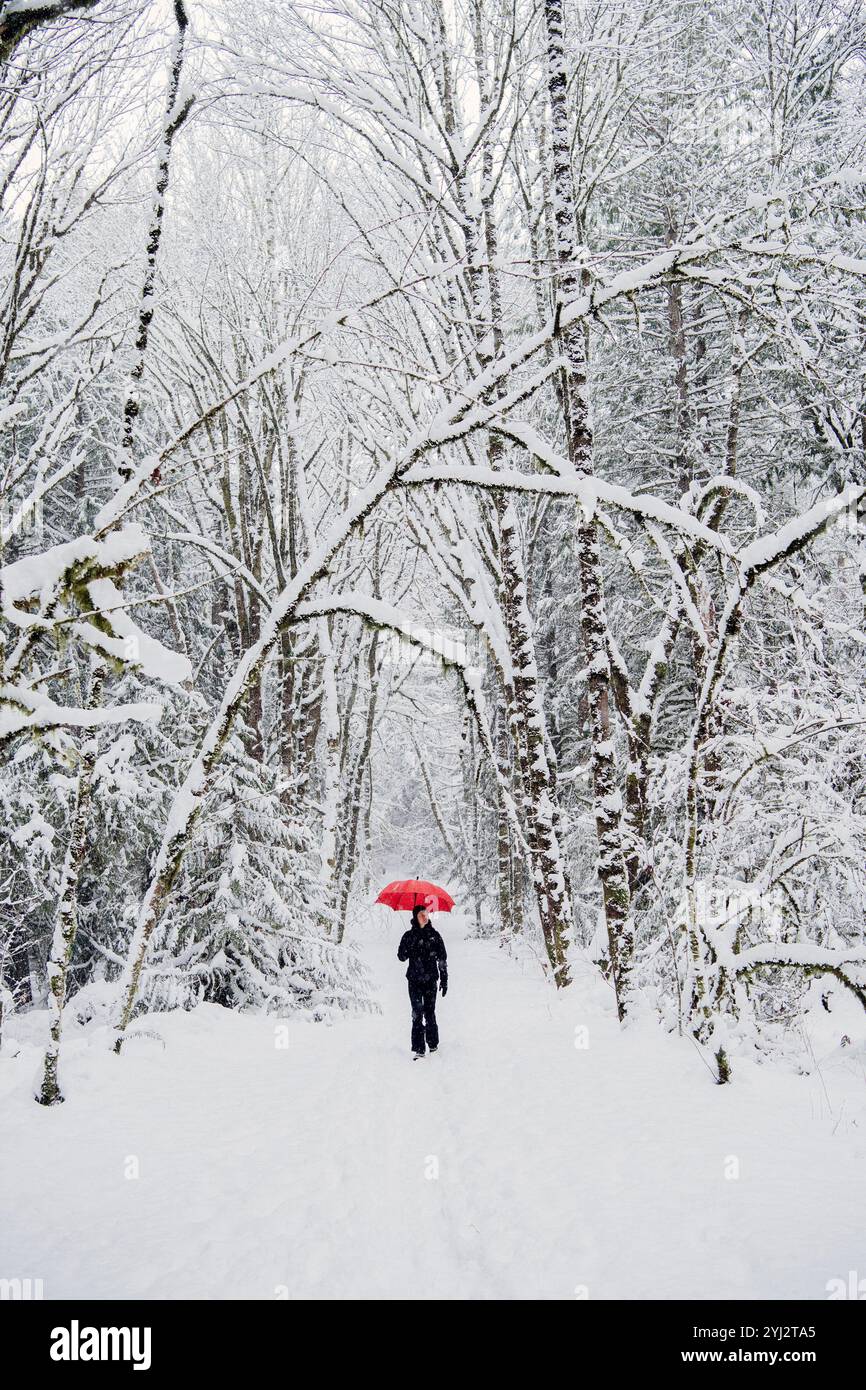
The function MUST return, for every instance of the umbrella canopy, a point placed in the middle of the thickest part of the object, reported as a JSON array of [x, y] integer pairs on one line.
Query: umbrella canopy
[[406, 893]]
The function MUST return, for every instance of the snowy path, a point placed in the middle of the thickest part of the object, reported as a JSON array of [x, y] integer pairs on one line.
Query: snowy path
[[311, 1171]]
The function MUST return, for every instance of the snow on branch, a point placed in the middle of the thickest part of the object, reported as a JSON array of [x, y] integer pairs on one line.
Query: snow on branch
[[126, 641], [23, 711], [36, 589], [766, 551], [846, 964], [41, 576], [18, 18], [587, 491]]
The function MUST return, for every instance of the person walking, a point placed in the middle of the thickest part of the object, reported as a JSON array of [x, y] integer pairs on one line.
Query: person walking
[[427, 971]]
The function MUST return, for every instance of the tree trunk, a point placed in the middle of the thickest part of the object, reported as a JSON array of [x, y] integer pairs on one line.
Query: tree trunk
[[175, 114], [612, 870], [350, 838], [66, 919]]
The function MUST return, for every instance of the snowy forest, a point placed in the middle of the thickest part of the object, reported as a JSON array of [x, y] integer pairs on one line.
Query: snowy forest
[[433, 444]]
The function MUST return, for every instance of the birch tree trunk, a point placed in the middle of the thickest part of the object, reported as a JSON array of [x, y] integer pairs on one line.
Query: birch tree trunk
[[608, 800], [350, 835], [528, 722], [549, 873], [176, 113], [66, 919], [503, 839], [331, 769]]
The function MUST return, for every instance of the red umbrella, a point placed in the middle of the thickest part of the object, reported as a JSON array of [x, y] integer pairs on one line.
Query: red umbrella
[[406, 893]]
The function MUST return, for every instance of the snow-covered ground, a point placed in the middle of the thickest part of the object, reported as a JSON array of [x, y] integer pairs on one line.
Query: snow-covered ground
[[512, 1164]]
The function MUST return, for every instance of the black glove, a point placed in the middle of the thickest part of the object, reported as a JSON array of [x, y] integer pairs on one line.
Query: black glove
[[443, 985]]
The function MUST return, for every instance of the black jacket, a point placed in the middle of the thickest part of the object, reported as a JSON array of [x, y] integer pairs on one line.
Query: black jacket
[[424, 949]]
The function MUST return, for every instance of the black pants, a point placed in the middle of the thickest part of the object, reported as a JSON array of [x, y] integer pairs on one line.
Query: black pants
[[422, 997]]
